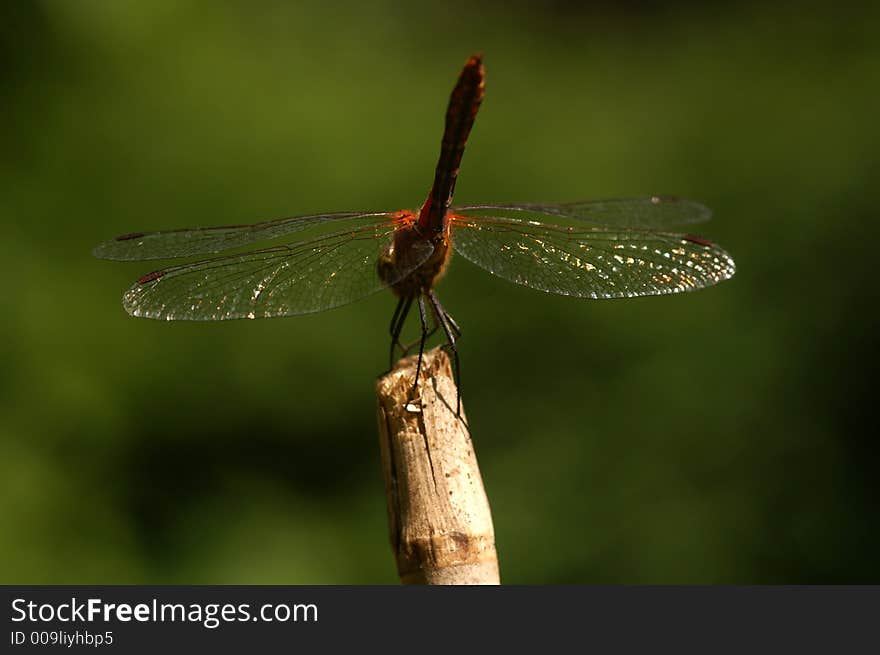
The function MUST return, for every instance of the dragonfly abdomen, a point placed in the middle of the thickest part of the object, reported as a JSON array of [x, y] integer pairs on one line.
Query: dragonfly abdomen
[[460, 115]]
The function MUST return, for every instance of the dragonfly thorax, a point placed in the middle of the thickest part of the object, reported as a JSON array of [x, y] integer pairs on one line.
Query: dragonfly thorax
[[401, 264]]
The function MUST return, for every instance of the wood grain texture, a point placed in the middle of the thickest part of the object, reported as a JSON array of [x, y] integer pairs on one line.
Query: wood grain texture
[[439, 519]]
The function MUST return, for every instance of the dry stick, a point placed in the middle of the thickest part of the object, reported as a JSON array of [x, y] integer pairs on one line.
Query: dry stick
[[438, 514]]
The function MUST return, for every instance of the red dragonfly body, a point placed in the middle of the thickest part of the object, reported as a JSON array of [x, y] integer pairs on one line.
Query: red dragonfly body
[[432, 222], [593, 249]]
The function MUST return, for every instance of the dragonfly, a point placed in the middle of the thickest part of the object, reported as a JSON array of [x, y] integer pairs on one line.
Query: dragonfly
[[617, 248]]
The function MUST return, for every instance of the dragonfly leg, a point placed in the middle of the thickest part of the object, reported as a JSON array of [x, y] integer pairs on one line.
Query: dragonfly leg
[[452, 323], [397, 322], [452, 331], [396, 315], [424, 318], [406, 348]]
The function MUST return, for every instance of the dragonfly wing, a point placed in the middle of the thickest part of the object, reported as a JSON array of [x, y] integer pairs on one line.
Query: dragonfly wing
[[287, 280], [168, 244], [590, 263], [652, 212]]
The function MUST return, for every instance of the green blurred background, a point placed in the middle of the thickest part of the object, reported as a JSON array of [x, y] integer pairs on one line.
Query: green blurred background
[[722, 436]]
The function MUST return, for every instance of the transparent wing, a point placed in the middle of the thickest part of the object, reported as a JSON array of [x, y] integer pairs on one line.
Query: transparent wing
[[655, 212], [168, 244], [590, 263], [299, 278]]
